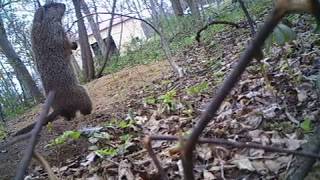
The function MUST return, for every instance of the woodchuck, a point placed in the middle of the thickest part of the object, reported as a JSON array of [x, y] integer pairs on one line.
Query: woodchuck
[[52, 51]]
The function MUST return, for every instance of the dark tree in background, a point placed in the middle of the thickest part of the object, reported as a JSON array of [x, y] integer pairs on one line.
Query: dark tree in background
[[95, 29], [177, 8], [16, 63], [86, 54], [193, 5]]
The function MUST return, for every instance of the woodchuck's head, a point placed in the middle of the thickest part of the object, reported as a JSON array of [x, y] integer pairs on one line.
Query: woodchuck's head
[[50, 12]]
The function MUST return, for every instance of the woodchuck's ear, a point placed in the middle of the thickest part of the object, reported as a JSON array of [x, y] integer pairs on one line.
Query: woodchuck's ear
[[39, 15]]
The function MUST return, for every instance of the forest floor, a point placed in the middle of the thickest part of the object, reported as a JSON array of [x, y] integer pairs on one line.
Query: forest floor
[[276, 103]]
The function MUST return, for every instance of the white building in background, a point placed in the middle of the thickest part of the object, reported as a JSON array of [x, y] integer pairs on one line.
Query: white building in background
[[124, 29]]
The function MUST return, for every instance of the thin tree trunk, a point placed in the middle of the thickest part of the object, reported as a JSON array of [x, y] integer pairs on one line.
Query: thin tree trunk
[[250, 20], [108, 39], [95, 10], [86, 54], [11, 82], [19, 68], [121, 32], [75, 67], [194, 9], [177, 8], [95, 29], [164, 43]]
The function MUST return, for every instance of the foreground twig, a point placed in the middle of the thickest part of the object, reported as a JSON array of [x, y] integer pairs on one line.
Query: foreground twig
[[50, 118], [34, 137], [226, 87], [282, 7], [15, 140], [45, 164], [153, 156], [303, 165], [212, 23], [25, 133], [241, 145]]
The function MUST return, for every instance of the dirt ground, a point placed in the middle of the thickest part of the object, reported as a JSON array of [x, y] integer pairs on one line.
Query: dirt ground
[[107, 94]]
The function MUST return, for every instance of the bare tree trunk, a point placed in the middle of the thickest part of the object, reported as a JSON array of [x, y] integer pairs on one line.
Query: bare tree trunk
[[121, 32], [11, 82], [76, 68], [177, 8], [95, 29], [86, 54], [19, 68], [95, 10], [108, 39], [194, 9], [250, 20], [164, 42]]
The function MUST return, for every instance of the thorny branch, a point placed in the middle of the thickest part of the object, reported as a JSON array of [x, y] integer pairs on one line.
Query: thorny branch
[[34, 137], [212, 23]]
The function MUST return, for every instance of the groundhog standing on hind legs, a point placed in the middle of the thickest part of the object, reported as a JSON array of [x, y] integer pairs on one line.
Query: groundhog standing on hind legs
[[52, 51]]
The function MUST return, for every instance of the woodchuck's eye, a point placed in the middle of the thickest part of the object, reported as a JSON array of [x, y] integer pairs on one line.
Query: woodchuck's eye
[[74, 45]]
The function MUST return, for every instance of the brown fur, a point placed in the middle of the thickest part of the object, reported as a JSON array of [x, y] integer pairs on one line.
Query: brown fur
[[52, 51]]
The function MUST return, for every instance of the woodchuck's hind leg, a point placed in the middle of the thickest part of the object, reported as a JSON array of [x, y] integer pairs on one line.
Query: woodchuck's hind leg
[[86, 110], [84, 101], [68, 115]]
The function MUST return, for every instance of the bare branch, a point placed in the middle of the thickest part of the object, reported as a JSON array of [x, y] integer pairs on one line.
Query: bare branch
[[213, 23], [282, 7], [45, 164], [241, 145], [16, 140], [34, 137], [250, 20], [50, 118], [302, 165], [117, 14], [148, 146], [226, 87], [2, 5]]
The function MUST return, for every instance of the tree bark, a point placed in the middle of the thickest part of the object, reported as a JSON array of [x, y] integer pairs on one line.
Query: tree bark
[[20, 70], [250, 20], [194, 9], [86, 54], [75, 67], [177, 8], [95, 29]]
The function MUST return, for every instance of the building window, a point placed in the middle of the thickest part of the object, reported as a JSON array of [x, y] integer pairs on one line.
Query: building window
[[96, 49]]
